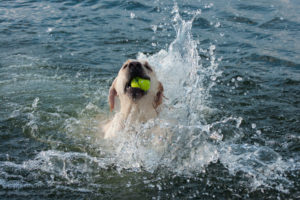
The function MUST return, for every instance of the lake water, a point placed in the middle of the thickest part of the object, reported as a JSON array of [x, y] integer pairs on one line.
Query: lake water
[[231, 73]]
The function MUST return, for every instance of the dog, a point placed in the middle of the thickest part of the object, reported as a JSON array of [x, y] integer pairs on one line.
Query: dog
[[135, 104]]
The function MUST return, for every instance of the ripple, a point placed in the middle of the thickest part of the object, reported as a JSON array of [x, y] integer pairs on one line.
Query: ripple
[[274, 61], [278, 23], [244, 20], [135, 5], [259, 8]]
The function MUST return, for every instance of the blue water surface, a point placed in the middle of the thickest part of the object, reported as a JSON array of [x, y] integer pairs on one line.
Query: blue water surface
[[231, 72]]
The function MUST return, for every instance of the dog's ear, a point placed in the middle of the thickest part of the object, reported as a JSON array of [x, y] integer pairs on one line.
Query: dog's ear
[[159, 96], [111, 96]]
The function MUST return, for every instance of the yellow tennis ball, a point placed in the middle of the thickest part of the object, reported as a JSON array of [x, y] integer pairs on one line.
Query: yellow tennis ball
[[141, 83], [144, 84], [135, 83]]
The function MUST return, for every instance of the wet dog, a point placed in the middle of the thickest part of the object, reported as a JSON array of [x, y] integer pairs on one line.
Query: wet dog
[[135, 104]]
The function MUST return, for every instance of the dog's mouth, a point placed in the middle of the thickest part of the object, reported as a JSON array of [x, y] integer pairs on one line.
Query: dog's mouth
[[134, 92]]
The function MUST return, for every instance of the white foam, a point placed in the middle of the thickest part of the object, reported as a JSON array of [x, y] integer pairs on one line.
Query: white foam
[[187, 86], [261, 164]]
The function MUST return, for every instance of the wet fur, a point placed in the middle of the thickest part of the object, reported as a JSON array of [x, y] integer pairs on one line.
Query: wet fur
[[135, 107]]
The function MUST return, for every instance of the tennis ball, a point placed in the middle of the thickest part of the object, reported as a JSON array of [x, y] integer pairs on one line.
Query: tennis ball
[[141, 83]]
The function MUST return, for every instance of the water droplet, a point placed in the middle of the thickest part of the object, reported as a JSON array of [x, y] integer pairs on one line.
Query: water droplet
[[158, 187], [49, 30], [132, 15], [35, 102], [217, 25], [209, 5], [154, 28]]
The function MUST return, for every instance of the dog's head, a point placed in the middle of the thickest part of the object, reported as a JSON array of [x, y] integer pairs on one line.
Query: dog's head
[[121, 86]]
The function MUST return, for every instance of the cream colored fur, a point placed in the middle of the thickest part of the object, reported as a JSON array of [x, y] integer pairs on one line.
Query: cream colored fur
[[132, 110]]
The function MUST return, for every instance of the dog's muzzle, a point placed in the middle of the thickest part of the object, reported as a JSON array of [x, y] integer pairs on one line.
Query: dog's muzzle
[[135, 69]]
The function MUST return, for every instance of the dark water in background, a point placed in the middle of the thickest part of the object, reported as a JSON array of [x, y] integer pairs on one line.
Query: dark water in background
[[231, 72]]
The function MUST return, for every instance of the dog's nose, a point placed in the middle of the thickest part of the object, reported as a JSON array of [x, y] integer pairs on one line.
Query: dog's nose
[[135, 65], [135, 68]]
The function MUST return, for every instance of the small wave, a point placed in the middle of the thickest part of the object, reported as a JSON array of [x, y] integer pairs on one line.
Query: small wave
[[281, 24], [54, 168], [271, 60], [242, 20]]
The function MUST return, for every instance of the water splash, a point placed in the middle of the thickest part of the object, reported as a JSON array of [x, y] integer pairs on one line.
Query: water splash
[[262, 165], [183, 146], [54, 168], [185, 79], [197, 142]]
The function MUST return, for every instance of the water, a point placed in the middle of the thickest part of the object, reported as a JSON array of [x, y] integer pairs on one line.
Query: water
[[231, 77]]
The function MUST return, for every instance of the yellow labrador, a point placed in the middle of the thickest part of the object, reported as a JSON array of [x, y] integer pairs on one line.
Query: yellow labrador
[[135, 105]]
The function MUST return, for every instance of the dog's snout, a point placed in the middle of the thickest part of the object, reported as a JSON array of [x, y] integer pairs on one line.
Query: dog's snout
[[132, 66], [135, 68], [135, 65]]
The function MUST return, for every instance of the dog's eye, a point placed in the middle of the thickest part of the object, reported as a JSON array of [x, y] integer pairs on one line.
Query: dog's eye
[[148, 67]]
